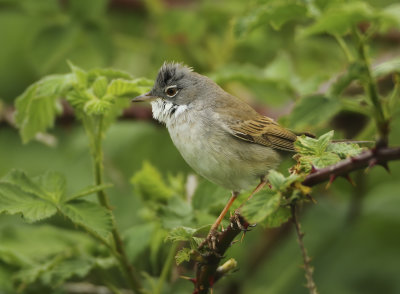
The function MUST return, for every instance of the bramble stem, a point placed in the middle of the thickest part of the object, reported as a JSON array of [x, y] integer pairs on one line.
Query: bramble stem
[[95, 133], [166, 268], [306, 259], [372, 90]]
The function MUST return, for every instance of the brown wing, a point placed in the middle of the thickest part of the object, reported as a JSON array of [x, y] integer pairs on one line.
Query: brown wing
[[264, 131]]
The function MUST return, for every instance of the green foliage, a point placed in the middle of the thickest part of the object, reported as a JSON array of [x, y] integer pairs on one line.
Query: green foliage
[[92, 94], [321, 152], [41, 197]]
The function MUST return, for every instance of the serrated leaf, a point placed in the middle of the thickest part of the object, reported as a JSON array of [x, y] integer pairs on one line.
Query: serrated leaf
[[54, 185], [91, 216], [182, 255], [37, 107], [279, 182], [176, 213], [14, 200], [313, 111], [129, 88], [261, 206], [310, 146], [339, 19], [345, 150], [80, 76], [278, 217], [87, 191], [150, 185], [99, 86], [97, 106], [181, 234]]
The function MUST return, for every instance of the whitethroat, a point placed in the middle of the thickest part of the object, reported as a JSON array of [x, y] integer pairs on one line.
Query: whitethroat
[[221, 137]]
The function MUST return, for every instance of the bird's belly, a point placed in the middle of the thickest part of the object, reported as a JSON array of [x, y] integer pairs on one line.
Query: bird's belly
[[222, 159]]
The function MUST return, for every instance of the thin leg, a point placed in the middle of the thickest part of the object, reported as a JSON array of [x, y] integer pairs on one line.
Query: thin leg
[[224, 211]]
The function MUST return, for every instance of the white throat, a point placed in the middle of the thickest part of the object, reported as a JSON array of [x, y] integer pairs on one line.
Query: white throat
[[167, 112]]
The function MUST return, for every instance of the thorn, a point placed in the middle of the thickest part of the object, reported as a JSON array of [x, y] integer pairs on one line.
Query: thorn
[[385, 166], [241, 239], [332, 177], [269, 185], [350, 180], [211, 281], [313, 169], [234, 242]]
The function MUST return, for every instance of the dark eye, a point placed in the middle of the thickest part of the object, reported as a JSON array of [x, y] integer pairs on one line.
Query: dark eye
[[171, 91]]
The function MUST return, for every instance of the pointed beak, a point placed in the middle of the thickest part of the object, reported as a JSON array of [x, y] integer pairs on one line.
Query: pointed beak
[[147, 97]]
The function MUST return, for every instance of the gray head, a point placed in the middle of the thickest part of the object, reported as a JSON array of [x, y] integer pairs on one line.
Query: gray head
[[178, 84]]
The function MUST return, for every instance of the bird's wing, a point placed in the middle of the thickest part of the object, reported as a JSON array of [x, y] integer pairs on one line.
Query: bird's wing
[[264, 131]]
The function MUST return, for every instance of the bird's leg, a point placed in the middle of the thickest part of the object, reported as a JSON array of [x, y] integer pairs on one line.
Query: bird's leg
[[211, 238]]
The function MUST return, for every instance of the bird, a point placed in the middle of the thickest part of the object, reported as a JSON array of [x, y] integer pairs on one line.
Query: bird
[[221, 137]]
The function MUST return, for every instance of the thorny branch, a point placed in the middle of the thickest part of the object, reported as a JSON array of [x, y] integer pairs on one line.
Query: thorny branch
[[306, 259], [207, 263]]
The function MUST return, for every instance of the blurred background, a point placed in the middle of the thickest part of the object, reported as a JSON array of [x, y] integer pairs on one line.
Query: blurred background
[[352, 233]]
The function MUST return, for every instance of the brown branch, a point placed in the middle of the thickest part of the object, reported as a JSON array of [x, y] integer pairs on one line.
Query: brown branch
[[306, 259], [207, 263], [368, 158], [207, 272]]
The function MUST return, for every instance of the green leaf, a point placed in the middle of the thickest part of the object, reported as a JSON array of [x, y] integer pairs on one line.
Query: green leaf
[[310, 146], [99, 86], [182, 255], [97, 106], [345, 150], [35, 198], [37, 107], [177, 212], [279, 182], [129, 88], [278, 217], [354, 72], [91, 216], [275, 13], [339, 19], [80, 76], [313, 111], [181, 234], [149, 184], [261, 206], [87, 191]]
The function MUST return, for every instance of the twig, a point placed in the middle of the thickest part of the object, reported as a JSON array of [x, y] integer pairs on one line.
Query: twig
[[368, 158], [207, 263], [306, 259]]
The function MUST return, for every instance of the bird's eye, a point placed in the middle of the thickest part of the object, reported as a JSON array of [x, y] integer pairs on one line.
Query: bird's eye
[[171, 91]]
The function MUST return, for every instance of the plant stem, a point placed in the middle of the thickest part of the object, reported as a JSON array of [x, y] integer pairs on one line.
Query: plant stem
[[306, 259], [166, 268], [344, 47], [372, 90], [96, 134]]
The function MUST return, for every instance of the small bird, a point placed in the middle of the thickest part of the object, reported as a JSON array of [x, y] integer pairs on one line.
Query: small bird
[[221, 137]]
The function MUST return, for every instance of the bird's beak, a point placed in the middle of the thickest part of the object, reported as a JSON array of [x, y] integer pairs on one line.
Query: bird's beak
[[147, 97]]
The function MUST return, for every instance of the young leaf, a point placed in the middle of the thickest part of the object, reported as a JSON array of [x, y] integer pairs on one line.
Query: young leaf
[[128, 88], [80, 76], [310, 146], [344, 150], [109, 73], [261, 206], [150, 185], [182, 255], [181, 234], [279, 182], [99, 86], [37, 107], [91, 216]]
